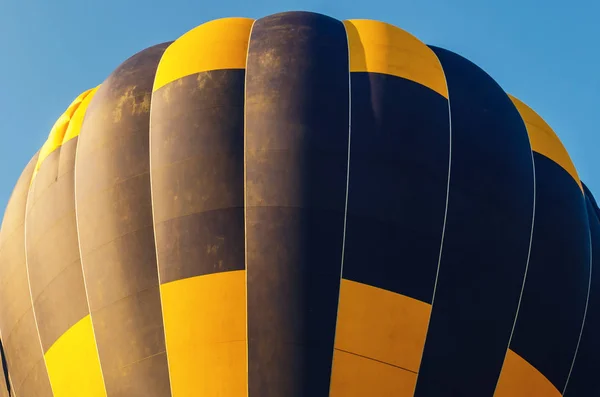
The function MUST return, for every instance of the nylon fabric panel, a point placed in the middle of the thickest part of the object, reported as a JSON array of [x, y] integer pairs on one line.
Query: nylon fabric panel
[[73, 365], [74, 127], [61, 304], [214, 45], [24, 355], [583, 381], [396, 213], [198, 174], [205, 324], [381, 48], [487, 235], [400, 124], [544, 140], [36, 377], [356, 376], [381, 325], [55, 273], [29, 371], [14, 288], [395, 217], [197, 160], [112, 190], [297, 131], [57, 133], [521, 379], [553, 304]]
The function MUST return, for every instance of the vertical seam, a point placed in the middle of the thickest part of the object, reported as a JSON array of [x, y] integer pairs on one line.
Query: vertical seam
[[87, 298], [345, 205], [587, 301], [6, 374], [245, 213], [13, 392], [37, 328], [442, 238], [512, 332], [162, 312]]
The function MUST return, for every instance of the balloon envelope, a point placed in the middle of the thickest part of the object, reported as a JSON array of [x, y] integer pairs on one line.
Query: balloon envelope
[[299, 206]]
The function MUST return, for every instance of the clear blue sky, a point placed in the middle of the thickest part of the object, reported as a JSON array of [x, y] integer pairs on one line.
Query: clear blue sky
[[544, 52]]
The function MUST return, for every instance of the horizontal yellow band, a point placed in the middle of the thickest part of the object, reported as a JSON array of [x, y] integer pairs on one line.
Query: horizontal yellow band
[[356, 376], [215, 45], [74, 127], [57, 133], [379, 47], [73, 363], [381, 325], [205, 328], [521, 379], [544, 140]]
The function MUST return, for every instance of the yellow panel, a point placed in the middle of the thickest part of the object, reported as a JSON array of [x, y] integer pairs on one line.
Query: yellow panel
[[74, 126], [356, 376], [520, 379], [218, 44], [544, 140], [379, 47], [381, 325], [57, 133], [205, 331], [73, 363]]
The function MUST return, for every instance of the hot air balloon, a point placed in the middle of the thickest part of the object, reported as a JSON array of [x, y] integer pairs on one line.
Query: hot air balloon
[[299, 206]]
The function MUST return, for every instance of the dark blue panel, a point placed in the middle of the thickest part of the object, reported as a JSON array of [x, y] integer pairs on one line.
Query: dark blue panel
[[398, 183], [207, 121], [584, 378], [553, 303], [488, 229], [297, 129]]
